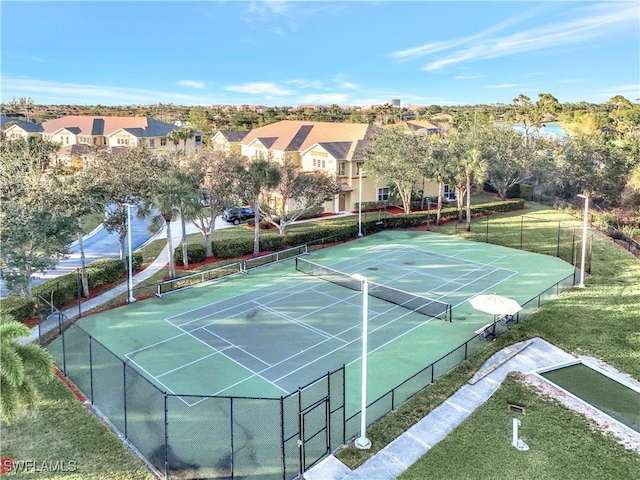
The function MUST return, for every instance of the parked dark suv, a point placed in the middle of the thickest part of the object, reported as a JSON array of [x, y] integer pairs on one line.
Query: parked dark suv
[[236, 215]]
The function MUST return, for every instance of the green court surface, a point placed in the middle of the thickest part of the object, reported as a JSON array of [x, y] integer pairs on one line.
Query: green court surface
[[268, 332]]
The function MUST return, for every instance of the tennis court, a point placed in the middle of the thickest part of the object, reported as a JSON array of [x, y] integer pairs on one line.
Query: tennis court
[[266, 333], [270, 331]]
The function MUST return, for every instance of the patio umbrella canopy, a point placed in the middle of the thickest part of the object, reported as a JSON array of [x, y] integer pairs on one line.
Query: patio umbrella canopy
[[495, 304]]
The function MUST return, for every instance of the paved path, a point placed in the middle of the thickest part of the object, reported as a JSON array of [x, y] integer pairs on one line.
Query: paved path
[[396, 457]]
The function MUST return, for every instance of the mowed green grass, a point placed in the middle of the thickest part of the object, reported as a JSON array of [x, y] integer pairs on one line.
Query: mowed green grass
[[66, 432], [602, 320], [561, 444]]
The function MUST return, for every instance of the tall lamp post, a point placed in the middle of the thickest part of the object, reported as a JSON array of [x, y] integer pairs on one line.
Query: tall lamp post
[[584, 238], [360, 202], [131, 298], [362, 442]]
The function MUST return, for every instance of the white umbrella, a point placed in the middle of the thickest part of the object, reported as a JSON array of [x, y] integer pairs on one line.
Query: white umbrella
[[495, 304]]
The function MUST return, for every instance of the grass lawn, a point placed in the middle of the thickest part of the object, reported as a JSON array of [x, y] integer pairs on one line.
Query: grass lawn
[[65, 431], [602, 320], [561, 442]]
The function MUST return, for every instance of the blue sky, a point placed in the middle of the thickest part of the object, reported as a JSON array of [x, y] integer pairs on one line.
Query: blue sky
[[303, 52]]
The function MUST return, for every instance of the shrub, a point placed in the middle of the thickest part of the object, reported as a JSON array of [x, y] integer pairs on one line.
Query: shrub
[[18, 308], [58, 291], [230, 248], [136, 264], [272, 243], [195, 254], [104, 271]]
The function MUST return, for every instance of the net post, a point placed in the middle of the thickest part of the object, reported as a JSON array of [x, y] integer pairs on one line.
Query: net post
[[231, 432], [283, 460], [166, 436], [90, 369], [124, 397]]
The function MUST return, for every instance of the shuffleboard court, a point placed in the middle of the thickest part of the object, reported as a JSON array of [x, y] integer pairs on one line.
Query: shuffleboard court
[[268, 332]]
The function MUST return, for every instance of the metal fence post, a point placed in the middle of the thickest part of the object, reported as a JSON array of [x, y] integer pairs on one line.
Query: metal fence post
[[282, 440], [124, 390], [487, 235], [231, 430], [521, 229], [90, 369], [166, 437], [558, 247]]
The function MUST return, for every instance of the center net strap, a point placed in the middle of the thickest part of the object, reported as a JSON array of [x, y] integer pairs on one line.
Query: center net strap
[[411, 301]]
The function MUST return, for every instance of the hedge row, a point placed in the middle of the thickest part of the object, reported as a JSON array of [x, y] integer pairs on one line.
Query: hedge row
[[195, 254], [239, 247], [18, 308], [63, 289]]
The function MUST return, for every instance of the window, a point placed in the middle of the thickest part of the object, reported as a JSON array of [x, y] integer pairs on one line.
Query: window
[[342, 169], [152, 143], [449, 193], [123, 141], [358, 167], [163, 141], [198, 139], [383, 194]]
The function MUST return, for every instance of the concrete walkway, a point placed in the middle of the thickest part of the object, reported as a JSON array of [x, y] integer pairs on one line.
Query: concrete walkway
[[396, 457]]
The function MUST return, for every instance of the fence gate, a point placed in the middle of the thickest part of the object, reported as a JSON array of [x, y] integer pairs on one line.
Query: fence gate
[[315, 433]]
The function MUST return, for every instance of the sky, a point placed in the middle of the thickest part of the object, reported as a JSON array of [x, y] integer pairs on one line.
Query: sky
[[289, 53]]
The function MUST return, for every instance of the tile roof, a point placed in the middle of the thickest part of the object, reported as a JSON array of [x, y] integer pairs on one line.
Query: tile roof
[[105, 126], [234, 135], [26, 126], [299, 135], [338, 150]]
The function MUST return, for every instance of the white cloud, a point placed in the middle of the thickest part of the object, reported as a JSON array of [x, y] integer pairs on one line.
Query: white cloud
[[44, 91], [303, 83], [586, 24], [192, 84], [258, 88]]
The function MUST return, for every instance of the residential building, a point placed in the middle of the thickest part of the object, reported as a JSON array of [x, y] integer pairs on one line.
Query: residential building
[[17, 128], [228, 140], [334, 148], [115, 132]]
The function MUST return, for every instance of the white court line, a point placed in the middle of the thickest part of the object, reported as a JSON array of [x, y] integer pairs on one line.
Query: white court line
[[238, 363], [154, 344], [187, 364], [233, 345], [384, 325], [316, 330], [152, 376]]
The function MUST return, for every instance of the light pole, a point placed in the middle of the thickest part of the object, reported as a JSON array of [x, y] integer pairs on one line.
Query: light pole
[[360, 202], [362, 442], [584, 238], [131, 298]]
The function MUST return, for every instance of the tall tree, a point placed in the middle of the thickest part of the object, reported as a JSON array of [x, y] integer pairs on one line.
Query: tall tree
[[35, 227], [22, 365], [217, 174], [509, 162], [396, 154], [258, 176], [532, 115], [127, 177], [297, 194], [167, 195]]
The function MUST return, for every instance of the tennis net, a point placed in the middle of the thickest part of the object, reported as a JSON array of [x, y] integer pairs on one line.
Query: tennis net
[[411, 301]]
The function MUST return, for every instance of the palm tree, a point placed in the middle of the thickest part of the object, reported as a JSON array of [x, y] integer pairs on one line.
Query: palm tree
[[22, 365], [174, 136], [184, 134], [166, 197], [258, 176], [474, 166]]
